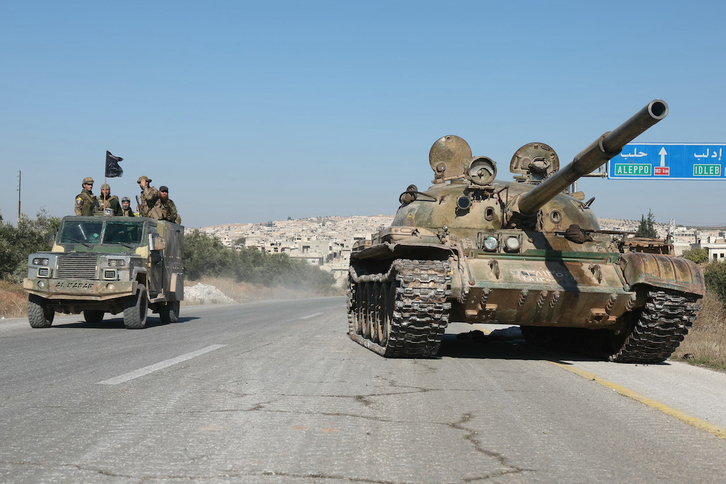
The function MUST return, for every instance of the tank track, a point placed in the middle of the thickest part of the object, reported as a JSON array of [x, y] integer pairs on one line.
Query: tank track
[[408, 303], [653, 334], [662, 325]]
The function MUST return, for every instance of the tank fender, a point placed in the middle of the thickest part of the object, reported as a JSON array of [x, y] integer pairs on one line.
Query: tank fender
[[663, 271]]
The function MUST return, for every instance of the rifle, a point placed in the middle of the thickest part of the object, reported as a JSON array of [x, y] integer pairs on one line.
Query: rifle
[[138, 206]]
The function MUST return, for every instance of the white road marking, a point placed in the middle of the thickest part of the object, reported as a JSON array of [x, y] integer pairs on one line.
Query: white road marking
[[311, 316], [158, 366]]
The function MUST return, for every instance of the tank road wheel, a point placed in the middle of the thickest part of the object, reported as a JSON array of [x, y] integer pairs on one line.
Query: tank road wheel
[[367, 309], [39, 314], [404, 311], [135, 309], [656, 330], [388, 295], [351, 305], [93, 316], [169, 312], [358, 312], [374, 313]]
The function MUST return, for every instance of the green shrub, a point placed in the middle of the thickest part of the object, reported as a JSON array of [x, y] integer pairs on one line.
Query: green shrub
[[16, 244], [205, 255], [715, 275], [699, 256]]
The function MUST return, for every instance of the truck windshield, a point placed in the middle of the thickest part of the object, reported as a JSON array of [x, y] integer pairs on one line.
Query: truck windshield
[[81, 232], [93, 232], [123, 233]]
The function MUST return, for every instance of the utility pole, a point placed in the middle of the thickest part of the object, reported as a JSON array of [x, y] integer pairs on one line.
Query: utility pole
[[19, 185]]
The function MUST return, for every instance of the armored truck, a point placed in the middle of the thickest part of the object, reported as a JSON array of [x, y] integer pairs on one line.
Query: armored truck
[[113, 265], [528, 253]]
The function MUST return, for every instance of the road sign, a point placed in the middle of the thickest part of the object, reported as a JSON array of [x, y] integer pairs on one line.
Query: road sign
[[678, 161]]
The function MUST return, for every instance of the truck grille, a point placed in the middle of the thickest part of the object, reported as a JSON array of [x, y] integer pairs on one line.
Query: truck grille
[[78, 266]]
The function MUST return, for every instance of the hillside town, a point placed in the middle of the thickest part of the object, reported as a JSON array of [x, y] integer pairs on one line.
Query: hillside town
[[327, 241]]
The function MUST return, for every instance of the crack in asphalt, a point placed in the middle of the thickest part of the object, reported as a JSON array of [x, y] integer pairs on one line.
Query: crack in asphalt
[[337, 477], [470, 436], [103, 472], [236, 474], [429, 368]]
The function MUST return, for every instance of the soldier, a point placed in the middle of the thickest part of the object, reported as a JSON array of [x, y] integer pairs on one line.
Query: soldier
[[112, 206], [149, 199], [126, 208], [86, 200], [168, 208]]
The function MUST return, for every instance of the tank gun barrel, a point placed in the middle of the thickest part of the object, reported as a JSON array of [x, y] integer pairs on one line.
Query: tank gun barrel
[[600, 151]]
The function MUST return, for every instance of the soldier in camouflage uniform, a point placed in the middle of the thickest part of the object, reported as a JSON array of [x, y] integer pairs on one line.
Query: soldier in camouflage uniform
[[149, 199], [126, 208], [86, 201], [168, 208], [111, 202]]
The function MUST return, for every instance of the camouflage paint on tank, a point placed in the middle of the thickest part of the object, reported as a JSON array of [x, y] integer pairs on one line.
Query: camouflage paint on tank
[[527, 252]]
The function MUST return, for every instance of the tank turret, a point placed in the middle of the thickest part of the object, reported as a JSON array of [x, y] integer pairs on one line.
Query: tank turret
[[600, 151], [474, 249]]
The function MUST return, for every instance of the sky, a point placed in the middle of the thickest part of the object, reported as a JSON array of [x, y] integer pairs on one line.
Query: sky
[[252, 111]]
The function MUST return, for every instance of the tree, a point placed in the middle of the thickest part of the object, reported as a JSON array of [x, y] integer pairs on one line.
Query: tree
[[699, 256], [16, 244], [647, 227], [240, 241], [205, 255]]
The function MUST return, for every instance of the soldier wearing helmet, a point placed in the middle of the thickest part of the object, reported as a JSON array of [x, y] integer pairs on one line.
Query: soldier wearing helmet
[[126, 208], [149, 199], [86, 201], [108, 205]]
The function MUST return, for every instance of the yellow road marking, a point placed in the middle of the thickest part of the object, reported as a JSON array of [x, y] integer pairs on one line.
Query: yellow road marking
[[692, 421]]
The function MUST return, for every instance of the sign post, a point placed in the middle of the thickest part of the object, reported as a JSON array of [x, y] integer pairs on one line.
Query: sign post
[[677, 161]]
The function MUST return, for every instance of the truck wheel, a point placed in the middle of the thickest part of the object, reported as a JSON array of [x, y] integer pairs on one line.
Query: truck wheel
[[93, 316], [135, 309], [39, 314], [169, 313]]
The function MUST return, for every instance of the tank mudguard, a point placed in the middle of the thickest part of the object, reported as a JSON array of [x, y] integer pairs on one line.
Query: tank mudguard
[[662, 271]]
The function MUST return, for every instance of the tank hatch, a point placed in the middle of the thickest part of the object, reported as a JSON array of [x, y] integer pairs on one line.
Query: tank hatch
[[533, 163], [449, 158]]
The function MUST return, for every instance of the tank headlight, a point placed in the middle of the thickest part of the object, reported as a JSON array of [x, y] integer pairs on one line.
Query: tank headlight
[[41, 284], [491, 243], [512, 244], [463, 202], [40, 261]]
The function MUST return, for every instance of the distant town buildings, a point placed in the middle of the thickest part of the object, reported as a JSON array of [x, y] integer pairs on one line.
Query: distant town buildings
[[327, 241], [321, 241]]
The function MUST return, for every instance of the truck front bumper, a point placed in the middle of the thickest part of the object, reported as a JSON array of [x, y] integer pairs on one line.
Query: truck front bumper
[[79, 289]]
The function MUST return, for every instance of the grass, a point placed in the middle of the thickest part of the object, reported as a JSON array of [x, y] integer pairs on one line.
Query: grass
[[705, 343], [13, 300]]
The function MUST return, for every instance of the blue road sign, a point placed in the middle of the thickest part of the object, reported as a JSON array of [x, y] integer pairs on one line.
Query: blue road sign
[[660, 161]]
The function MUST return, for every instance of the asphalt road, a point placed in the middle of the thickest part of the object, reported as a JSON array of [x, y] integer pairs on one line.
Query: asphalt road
[[275, 392]]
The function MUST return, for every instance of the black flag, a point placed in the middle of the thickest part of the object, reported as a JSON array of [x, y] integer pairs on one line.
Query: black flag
[[112, 168]]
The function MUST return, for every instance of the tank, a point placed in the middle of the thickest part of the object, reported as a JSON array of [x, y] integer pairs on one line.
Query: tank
[[526, 252]]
